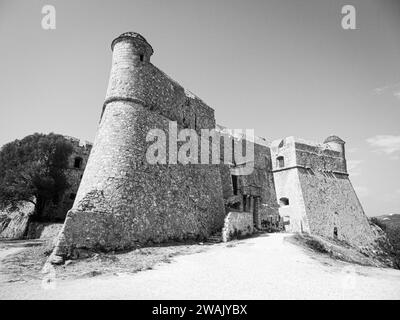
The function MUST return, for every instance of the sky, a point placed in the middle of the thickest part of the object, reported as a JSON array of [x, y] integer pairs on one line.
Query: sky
[[280, 67]]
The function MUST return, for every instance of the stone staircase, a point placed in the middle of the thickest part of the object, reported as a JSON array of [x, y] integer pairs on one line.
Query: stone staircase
[[215, 238]]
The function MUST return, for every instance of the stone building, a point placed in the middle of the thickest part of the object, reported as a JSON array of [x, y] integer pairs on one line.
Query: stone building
[[255, 192], [315, 192], [123, 200], [14, 221], [76, 166]]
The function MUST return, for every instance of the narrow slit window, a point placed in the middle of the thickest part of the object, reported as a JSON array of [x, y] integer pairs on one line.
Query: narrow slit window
[[235, 185], [335, 232], [280, 162]]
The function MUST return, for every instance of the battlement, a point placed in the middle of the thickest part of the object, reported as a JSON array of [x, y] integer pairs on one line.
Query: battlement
[[292, 152]]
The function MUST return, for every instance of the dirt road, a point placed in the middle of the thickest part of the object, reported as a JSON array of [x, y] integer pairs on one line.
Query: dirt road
[[266, 267]]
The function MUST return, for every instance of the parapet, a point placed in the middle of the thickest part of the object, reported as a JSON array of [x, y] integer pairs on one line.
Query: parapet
[[336, 144], [334, 138], [135, 38], [293, 152]]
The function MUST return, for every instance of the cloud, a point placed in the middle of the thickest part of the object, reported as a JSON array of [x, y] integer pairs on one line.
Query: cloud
[[386, 143], [392, 196], [378, 91], [353, 167], [391, 87]]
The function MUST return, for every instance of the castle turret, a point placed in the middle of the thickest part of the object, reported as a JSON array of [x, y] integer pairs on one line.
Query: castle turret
[[131, 55], [136, 44], [337, 144], [123, 199]]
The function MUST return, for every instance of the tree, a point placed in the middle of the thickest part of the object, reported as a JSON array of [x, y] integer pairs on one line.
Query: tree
[[33, 169]]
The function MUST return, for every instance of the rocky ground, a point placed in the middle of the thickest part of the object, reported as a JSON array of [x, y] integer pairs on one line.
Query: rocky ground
[[267, 266], [24, 260]]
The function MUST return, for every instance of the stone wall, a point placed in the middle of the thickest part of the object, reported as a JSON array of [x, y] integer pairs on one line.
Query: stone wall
[[321, 200], [331, 202], [256, 188], [123, 200], [319, 157], [58, 211], [287, 184], [43, 230], [226, 180], [237, 224]]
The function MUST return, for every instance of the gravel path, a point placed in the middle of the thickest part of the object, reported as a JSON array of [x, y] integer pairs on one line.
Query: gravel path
[[9, 247], [266, 267], [6, 252]]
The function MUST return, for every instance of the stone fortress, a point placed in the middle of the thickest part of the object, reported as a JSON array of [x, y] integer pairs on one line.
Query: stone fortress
[[124, 201]]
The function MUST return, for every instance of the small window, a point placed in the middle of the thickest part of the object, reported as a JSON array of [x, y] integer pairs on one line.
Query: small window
[[283, 202], [141, 57], [286, 220], [78, 162], [72, 196], [280, 162]]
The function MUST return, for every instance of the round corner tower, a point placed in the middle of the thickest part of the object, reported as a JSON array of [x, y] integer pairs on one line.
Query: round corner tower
[[134, 44], [122, 199], [131, 54]]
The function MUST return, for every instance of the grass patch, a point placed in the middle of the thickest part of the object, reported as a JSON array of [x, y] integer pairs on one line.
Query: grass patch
[[337, 250]]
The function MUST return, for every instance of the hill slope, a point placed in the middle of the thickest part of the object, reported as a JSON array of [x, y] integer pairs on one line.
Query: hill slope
[[390, 223]]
